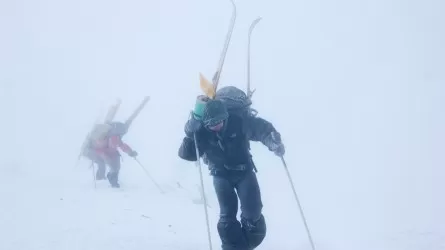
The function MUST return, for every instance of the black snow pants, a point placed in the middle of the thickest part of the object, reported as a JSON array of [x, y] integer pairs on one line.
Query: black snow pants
[[101, 167], [250, 232], [114, 164]]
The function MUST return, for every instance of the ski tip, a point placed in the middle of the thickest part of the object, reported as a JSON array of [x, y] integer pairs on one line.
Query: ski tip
[[206, 86], [254, 23]]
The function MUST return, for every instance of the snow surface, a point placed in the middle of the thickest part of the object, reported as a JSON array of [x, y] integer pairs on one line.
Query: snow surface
[[356, 88]]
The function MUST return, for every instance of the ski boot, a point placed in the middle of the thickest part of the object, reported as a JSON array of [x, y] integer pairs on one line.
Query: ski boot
[[112, 178]]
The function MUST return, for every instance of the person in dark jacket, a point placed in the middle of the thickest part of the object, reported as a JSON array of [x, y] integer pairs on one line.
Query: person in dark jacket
[[223, 139]]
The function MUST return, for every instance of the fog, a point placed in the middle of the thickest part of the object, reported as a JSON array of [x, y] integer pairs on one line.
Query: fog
[[356, 88]]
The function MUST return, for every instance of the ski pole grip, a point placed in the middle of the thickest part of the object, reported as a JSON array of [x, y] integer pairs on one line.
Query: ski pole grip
[[200, 104]]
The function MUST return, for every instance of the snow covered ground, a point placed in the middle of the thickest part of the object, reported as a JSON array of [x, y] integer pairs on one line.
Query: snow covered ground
[[356, 88]]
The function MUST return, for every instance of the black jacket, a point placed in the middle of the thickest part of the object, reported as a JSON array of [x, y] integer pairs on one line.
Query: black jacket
[[228, 150]]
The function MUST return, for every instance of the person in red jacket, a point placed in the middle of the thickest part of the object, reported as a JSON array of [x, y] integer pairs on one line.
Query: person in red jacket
[[104, 150]]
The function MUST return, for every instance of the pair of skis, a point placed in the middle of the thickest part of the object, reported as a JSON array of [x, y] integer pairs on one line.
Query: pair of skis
[[114, 108], [100, 128], [210, 88]]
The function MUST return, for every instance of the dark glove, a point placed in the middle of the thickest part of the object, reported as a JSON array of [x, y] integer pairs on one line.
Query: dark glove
[[192, 126], [194, 123], [133, 154], [273, 142]]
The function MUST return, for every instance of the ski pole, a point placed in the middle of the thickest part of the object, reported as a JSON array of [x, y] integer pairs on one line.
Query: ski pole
[[94, 175], [198, 164], [148, 174], [298, 202]]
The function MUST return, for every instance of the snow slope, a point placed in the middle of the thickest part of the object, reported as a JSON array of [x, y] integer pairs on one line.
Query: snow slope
[[356, 88]]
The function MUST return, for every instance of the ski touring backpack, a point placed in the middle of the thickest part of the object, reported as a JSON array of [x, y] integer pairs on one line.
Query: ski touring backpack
[[117, 128], [99, 132], [239, 104], [236, 101]]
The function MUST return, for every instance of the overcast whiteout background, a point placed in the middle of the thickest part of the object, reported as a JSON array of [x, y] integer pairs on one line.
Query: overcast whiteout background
[[355, 87]]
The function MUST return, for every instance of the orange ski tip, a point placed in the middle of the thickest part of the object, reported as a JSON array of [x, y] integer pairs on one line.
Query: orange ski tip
[[206, 86]]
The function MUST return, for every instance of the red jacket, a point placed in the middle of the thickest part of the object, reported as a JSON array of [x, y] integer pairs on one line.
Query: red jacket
[[109, 146]]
